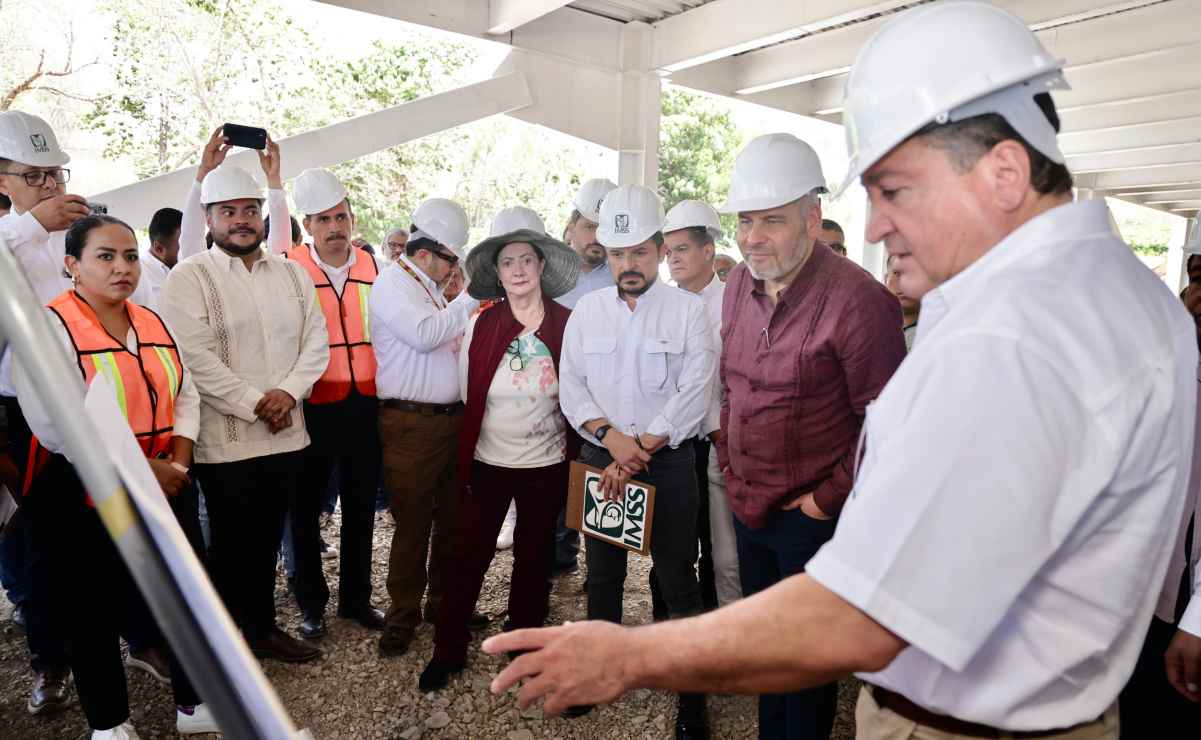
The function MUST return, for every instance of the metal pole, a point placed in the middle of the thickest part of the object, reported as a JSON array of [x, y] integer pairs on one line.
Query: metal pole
[[25, 326]]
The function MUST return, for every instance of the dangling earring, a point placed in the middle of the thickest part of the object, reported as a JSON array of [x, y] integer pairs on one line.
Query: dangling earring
[[74, 281]]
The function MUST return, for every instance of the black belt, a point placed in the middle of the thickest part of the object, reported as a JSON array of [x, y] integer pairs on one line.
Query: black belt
[[898, 704], [425, 409]]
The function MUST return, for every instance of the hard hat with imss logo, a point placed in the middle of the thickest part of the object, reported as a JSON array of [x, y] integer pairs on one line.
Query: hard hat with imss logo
[[29, 140], [316, 190], [942, 63], [693, 213], [771, 171], [229, 182], [588, 199], [629, 215], [443, 221]]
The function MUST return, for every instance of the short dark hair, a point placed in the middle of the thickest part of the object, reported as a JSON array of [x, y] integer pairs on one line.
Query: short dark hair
[[968, 140], [657, 238], [415, 245], [5, 203], [164, 223], [77, 235], [829, 224], [699, 235]]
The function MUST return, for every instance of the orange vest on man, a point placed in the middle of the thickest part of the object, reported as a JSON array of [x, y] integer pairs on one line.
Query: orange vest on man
[[347, 319], [146, 383]]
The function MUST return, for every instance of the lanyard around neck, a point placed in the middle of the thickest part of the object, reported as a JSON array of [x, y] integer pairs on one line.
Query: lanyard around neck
[[405, 266]]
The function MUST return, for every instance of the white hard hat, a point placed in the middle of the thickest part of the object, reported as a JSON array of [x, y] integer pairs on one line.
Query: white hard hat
[[29, 140], [771, 171], [229, 182], [316, 190], [1193, 246], [629, 215], [945, 62], [588, 200], [517, 218], [689, 213], [442, 221]]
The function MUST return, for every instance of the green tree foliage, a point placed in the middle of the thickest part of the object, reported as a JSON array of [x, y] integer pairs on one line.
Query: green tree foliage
[[698, 141]]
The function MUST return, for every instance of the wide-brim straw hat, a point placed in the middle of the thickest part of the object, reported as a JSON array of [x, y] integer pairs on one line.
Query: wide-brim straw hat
[[559, 275]]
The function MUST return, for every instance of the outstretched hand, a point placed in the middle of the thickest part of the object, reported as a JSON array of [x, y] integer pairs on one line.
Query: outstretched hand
[[214, 153]]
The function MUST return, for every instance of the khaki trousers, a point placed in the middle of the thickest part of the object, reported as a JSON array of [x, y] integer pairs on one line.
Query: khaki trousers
[[874, 723], [419, 453]]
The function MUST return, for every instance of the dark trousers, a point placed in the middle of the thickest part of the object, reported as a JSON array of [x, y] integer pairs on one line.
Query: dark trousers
[[539, 494], [344, 436], [673, 538], [419, 467], [246, 502], [567, 542], [704, 564], [88, 595], [766, 556], [1149, 700]]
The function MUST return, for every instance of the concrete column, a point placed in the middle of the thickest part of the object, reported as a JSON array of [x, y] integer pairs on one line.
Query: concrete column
[[639, 110], [1177, 274]]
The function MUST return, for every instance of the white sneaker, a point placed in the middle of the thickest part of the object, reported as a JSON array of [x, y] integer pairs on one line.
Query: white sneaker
[[123, 731], [199, 722], [505, 539]]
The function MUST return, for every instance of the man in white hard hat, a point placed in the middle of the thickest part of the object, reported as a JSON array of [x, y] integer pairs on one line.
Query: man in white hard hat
[[416, 336], [33, 179], [580, 235], [810, 339], [252, 333], [341, 413], [995, 570], [195, 214], [690, 234], [1165, 689], [635, 378]]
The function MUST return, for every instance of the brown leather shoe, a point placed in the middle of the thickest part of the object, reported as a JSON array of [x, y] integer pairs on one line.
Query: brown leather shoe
[[49, 692], [279, 645]]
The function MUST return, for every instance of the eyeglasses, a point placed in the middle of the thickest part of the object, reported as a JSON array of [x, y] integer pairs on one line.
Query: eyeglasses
[[36, 178], [516, 359], [450, 258]]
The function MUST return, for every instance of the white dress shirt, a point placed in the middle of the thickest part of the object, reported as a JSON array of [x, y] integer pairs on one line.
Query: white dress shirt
[[187, 403], [241, 333], [416, 336], [1018, 475], [588, 282], [339, 275], [649, 369], [1190, 621], [150, 285], [40, 254], [193, 225], [712, 295]]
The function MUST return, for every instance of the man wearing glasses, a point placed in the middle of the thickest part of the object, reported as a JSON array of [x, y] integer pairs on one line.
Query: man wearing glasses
[[416, 336], [32, 178]]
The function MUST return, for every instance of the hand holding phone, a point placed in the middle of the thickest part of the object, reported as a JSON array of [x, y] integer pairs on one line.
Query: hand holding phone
[[248, 137]]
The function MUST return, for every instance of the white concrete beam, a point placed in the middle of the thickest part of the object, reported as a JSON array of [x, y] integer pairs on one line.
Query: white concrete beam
[[1159, 133], [1176, 176], [1132, 111], [1157, 72], [1142, 196], [506, 15], [338, 142], [468, 17], [1124, 159]]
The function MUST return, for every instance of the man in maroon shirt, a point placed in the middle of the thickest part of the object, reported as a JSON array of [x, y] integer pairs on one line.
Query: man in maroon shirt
[[809, 340]]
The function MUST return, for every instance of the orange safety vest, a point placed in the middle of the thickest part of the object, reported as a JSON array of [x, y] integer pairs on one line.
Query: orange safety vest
[[146, 383], [348, 321]]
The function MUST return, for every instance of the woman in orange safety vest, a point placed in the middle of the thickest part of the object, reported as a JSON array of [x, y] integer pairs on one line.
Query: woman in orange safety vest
[[81, 588]]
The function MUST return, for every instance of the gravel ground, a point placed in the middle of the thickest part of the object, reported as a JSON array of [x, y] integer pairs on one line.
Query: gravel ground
[[353, 693]]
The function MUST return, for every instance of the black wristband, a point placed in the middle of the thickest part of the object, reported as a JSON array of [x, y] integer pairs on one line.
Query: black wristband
[[601, 431]]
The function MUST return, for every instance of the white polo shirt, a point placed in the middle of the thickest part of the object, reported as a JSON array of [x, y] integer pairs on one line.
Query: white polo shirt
[[416, 336], [1022, 477], [713, 296], [646, 370], [154, 277]]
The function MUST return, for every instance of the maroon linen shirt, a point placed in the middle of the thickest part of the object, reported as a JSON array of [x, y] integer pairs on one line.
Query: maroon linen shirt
[[797, 377]]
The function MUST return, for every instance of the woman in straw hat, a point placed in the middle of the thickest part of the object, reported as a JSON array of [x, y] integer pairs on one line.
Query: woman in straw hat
[[515, 443]]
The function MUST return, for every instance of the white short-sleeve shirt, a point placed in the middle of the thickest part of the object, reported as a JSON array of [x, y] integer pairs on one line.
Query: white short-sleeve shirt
[[1021, 479]]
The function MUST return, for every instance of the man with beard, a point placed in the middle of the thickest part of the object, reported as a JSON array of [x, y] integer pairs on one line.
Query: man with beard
[[580, 234], [341, 414], [251, 331], [635, 378]]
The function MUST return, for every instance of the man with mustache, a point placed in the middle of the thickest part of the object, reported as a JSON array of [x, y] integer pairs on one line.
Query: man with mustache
[[635, 379], [580, 235], [341, 413], [250, 328]]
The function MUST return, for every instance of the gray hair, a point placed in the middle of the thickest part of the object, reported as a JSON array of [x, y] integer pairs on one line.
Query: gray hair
[[397, 230]]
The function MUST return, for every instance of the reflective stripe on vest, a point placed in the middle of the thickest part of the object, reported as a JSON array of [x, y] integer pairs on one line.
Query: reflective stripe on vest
[[146, 383], [348, 322]]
